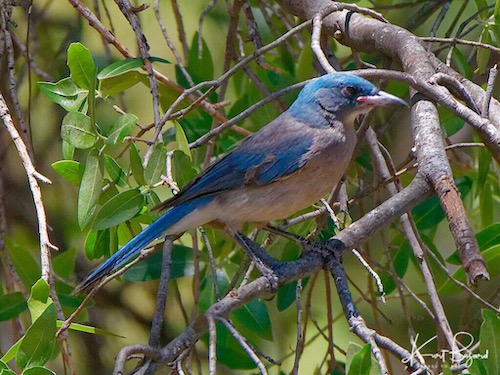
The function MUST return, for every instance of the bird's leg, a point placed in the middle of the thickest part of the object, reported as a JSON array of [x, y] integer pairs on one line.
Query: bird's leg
[[266, 265], [291, 236], [325, 248]]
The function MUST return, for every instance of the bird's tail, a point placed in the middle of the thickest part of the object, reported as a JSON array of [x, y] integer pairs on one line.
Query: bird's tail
[[136, 244]]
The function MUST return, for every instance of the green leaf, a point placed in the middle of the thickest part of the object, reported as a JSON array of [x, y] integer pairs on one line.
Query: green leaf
[[229, 351], [108, 193], [360, 363], [89, 329], [207, 294], [39, 299], [115, 85], [39, 340], [182, 168], [429, 213], [121, 75], [461, 64], [119, 209], [286, 295], [483, 54], [65, 93], [136, 165], [439, 275], [78, 131], [450, 122], [115, 172], [477, 367], [150, 268], [97, 243], [24, 264], [492, 260], [68, 150], [400, 260], [484, 165], [181, 140], [156, 165], [482, 4], [253, 319], [70, 170], [121, 128], [11, 305], [489, 237], [90, 188], [6, 371], [12, 352], [81, 65], [305, 69], [38, 370], [120, 67], [486, 238], [489, 343], [486, 206], [64, 263], [201, 67], [66, 297]]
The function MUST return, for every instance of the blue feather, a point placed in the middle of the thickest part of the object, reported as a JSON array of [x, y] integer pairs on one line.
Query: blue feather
[[317, 128], [139, 242]]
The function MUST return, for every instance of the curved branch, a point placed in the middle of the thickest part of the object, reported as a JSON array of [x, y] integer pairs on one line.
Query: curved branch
[[366, 34], [308, 264]]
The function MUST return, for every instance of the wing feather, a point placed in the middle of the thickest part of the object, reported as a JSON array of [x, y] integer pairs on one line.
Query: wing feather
[[260, 159]]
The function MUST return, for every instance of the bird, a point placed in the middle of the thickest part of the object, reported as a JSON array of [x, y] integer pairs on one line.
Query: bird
[[286, 166]]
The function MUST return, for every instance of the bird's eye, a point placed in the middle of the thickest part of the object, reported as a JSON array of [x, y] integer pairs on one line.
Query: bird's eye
[[349, 91]]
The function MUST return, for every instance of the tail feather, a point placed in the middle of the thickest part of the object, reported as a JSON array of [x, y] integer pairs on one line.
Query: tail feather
[[139, 242]]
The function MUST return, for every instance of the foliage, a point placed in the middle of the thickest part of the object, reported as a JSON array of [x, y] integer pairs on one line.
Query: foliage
[[103, 157]]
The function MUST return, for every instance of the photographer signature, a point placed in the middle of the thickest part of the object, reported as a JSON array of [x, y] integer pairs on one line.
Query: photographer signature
[[459, 353]]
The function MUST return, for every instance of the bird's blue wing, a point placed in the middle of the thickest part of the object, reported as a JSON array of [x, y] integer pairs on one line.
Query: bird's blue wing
[[259, 160]]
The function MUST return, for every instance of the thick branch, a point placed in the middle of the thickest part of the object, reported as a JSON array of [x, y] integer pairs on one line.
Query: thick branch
[[309, 263], [366, 34]]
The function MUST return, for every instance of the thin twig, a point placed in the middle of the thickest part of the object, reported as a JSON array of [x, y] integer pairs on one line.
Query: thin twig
[[461, 284], [170, 44], [213, 266], [33, 178], [11, 72], [462, 41], [212, 346], [485, 112], [180, 29], [300, 339], [161, 295], [65, 325], [375, 275], [244, 344], [316, 44], [204, 12]]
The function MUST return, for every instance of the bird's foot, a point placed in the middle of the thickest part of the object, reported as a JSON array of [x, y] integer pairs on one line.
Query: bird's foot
[[266, 265], [332, 247]]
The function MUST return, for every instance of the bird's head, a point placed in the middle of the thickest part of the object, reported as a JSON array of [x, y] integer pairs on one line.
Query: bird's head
[[340, 96]]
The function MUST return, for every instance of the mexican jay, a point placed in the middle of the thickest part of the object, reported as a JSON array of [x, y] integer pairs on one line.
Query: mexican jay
[[286, 166]]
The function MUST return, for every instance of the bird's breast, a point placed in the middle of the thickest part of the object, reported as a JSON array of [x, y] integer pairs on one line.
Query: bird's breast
[[326, 163]]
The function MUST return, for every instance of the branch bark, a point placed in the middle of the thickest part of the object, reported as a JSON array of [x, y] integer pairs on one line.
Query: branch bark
[[308, 264], [366, 34]]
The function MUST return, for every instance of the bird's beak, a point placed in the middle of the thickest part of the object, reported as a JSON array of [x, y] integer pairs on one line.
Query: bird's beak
[[380, 98]]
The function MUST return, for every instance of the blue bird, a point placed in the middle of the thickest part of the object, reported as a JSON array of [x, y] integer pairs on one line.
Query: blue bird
[[288, 165]]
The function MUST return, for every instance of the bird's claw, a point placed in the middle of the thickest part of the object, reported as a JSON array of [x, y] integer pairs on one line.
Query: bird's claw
[[326, 249], [266, 265]]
